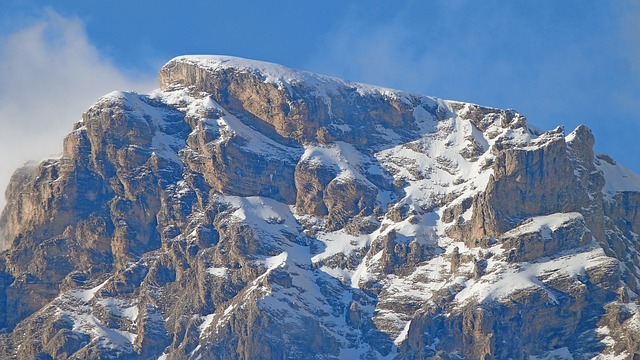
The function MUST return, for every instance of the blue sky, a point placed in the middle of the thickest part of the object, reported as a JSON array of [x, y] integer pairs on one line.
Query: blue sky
[[559, 62]]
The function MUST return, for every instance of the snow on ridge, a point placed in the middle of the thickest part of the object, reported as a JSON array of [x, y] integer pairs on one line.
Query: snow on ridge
[[87, 294], [117, 96], [617, 177], [281, 75], [272, 72], [276, 261], [503, 279], [541, 223], [341, 156]]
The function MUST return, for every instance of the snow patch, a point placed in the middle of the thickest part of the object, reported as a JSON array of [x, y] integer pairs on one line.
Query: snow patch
[[403, 334], [546, 224], [617, 178], [221, 272], [120, 308], [503, 279], [89, 294]]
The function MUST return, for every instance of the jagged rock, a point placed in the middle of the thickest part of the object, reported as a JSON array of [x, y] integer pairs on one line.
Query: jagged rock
[[250, 211], [525, 182], [535, 239], [346, 198], [295, 104], [311, 180]]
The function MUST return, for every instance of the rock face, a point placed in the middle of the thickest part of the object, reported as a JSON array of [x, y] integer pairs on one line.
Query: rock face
[[249, 211]]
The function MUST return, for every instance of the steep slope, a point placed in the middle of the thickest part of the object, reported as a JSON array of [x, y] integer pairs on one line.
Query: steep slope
[[250, 211]]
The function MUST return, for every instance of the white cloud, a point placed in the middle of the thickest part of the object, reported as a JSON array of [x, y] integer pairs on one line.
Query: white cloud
[[434, 55], [583, 69], [49, 74], [375, 54]]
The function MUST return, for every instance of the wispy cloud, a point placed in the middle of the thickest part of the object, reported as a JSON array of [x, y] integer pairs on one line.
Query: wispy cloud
[[49, 74], [557, 63], [433, 48]]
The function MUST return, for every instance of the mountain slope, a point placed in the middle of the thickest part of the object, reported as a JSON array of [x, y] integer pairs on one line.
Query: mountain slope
[[247, 210]]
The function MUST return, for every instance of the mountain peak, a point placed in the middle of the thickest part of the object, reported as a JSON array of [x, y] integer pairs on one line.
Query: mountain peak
[[270, 73], [244, 199]]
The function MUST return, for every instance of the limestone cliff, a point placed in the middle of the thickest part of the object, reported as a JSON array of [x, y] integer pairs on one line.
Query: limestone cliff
[[245, 210]]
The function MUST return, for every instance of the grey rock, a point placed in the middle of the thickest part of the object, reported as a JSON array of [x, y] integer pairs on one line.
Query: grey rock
[[193, 223]]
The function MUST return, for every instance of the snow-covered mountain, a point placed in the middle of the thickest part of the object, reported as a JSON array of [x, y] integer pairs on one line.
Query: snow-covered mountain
[[250, 211]]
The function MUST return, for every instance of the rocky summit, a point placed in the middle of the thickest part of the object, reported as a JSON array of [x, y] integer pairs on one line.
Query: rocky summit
[[245, 210]]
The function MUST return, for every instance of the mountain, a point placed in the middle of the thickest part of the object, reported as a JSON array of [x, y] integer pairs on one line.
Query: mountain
[[250, 211]]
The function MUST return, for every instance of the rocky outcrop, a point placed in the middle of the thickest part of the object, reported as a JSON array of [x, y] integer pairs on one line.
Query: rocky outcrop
[[553, 176], [294, 104], [311, 180], [244, 200], [531, 241]]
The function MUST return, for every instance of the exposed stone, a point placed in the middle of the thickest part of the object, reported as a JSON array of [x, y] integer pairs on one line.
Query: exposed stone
[[545, 242], [192, 224]]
